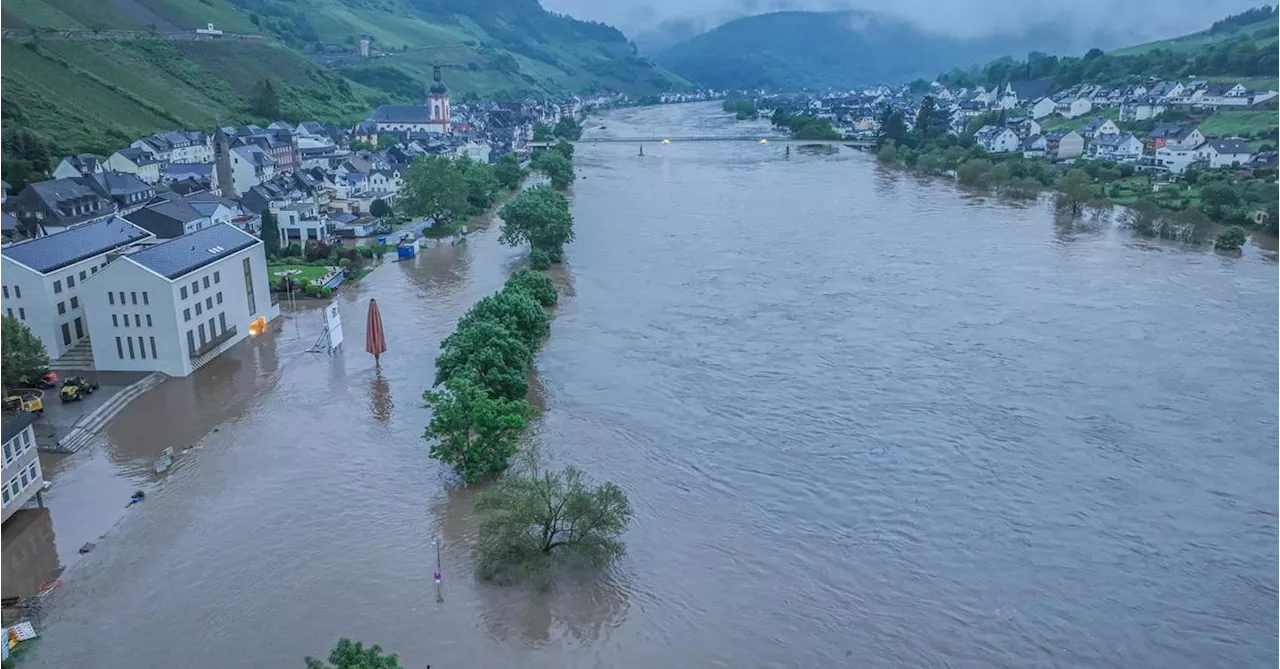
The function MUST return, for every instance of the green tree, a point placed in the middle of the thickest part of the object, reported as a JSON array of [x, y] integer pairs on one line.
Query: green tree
[[542, 133], [23, 354], [514, 310], [270, 233], [540, 217], [973, 172], [891, 127], [509, 172], [567, 128], [488, 353], [1218, 197], [533, 520], [1075, 192], [1231, 239], [474, 432], [434, 187], [353, 655], [556, 167], [536, 285], [931, 121], [482, 184], [565, 147], [263, 100], [379, 208]]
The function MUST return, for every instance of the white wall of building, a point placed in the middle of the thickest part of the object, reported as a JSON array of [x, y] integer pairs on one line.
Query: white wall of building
[[22, 477], [52, 305]]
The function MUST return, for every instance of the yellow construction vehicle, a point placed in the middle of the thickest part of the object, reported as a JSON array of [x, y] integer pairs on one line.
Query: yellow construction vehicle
[[24, 399]]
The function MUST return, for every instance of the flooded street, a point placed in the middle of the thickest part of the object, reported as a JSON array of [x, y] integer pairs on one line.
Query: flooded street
[[864, 420]]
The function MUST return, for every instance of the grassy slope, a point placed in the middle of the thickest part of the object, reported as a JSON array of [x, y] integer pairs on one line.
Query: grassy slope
[[1202, 38]]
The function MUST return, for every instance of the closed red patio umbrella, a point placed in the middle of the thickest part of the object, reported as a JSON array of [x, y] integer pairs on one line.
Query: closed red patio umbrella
[[375, 339]]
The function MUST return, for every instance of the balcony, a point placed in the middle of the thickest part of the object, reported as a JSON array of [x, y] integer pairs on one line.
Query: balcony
[[225, 336]]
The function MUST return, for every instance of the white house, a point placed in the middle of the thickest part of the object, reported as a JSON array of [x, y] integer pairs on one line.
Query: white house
[[302, 221], [178, 146], [1142, 110], [250, 166], [1225, 152], [995, 139], [1225, 95], [1025, 126], [1176, 158], [21, 477], [1062, 144], [175, 306], [44, 278], [1118, 147], [79, 165], [1099, 126], [1042, 108], [1034, 146], [137, 162], [1071, 107]]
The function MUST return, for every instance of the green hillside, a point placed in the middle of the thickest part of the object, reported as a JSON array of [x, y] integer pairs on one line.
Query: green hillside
[[1258, 26], [72, 95]]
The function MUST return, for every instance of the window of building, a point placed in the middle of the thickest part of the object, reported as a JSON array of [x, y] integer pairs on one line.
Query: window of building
[[125, 318], [129, 341], [17, 292], [83, 275], [115, 323], [6, 292], [195, 287], [153, 348], [217, 277], [57, 286], [137, 321], [142, 350], [203, 339], [111, 298], [133, 296], [191, 342], [219, 296], [119, 348], [62, 308], [206, 282], [213, 330], [145, 298], [199, 308], [184, 292], [222, 321], [71, 281], [94, 270], [22, 314], [9, 310], [208, 303], [66, 334], [186, 315], [122, 298], [248, 288], [148, 320], [75, 303]]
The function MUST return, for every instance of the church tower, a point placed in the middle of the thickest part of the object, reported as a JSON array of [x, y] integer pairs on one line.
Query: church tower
[[438, 103]]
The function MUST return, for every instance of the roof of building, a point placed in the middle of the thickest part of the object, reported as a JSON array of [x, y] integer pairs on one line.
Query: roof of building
[[14, 423], [118, 184], [137, 156], [401, 114], [1112, 139], [1059, 133], [1231, 146], [180, 171], [53, 252], [1030, 90], [1165, 131], [182, 255]]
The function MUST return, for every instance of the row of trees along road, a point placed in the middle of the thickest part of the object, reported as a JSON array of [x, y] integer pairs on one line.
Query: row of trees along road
[[532, 518]]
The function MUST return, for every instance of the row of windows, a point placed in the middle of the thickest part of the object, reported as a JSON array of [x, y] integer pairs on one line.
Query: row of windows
[[124, 318], [14, 486], [141, 351], [201, 307], [22, 313], [17, 292], [14, 448], [206, 335], [133, 296], [195, 285], [62, 306], [71, 280]]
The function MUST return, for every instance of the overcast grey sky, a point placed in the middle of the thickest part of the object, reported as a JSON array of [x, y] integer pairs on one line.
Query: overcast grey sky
[[1142, 19]]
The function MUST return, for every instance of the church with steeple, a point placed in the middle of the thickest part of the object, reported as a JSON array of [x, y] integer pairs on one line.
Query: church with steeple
[[432, 117]]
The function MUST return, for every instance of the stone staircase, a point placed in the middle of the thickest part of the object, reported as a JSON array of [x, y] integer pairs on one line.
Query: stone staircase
[[78, 358]]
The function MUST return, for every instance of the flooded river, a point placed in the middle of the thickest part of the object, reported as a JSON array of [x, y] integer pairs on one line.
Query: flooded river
[[864, 420]]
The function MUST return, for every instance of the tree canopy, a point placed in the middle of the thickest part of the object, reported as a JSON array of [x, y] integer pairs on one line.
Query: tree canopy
[[379, 208], [435, 187], [23, 354], [508, 171], [567, 128], [263, 100], [556, 166], [353, 655], [474, 432], [532, 520], [542, 133], [270, 233], [540, 217]]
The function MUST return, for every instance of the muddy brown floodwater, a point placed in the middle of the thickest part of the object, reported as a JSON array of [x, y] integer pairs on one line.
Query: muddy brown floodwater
[[865, 420]]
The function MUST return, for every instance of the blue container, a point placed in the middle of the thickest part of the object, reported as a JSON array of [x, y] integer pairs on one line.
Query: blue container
[[406, 250], [382, 240]]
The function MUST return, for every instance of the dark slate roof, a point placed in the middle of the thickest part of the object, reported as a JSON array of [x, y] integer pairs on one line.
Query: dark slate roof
[[15, 423], [188, 253], [1165, 131], [180, 171], [165, 217], [1030, 90], [401, 114], [119, 184], [1232, 146], [1057, 135], [137, 156], [53, 252]]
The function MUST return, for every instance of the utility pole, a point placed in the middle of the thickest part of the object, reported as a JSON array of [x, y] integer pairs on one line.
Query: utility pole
[[439, 595]]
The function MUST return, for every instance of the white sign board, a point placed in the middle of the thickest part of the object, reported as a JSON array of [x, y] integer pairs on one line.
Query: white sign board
[[333, 324]]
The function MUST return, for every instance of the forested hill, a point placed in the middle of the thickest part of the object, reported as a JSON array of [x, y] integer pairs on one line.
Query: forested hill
[[95, 95], [1243, 45], [819, 50]]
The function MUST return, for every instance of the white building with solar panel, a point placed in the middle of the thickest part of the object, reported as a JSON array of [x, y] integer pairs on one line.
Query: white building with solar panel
[[44, 279], [174, 306]]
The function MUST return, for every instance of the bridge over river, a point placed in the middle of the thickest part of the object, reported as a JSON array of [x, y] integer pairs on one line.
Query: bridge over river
[[853, 143]]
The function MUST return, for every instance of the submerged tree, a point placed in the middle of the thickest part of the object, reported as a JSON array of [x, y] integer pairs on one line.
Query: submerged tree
[[1075, 192], [353, 655], [556, 166], [1231, 239], [539, 216], [532, 520], [508, 171], [474, 432]]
